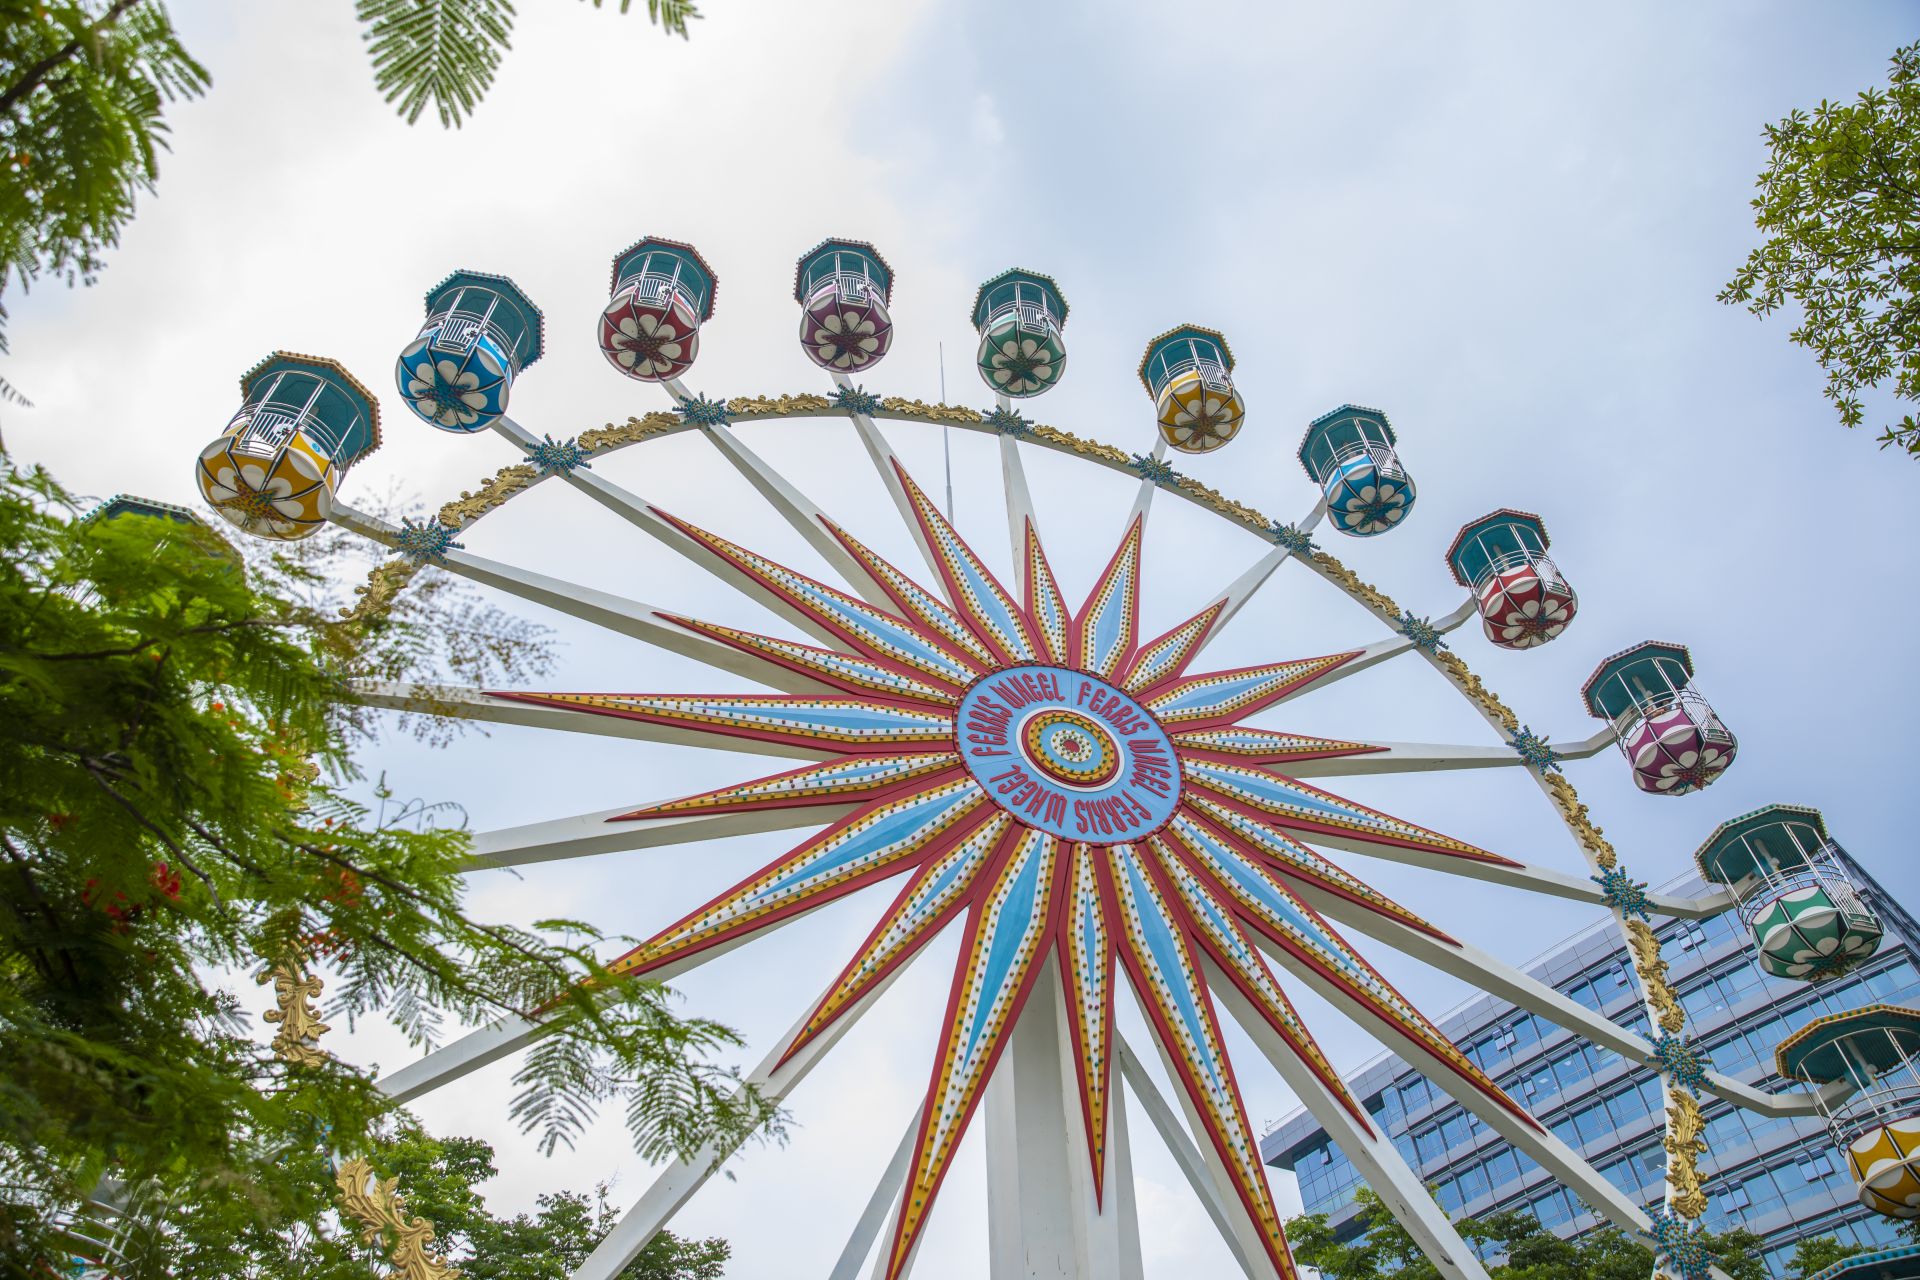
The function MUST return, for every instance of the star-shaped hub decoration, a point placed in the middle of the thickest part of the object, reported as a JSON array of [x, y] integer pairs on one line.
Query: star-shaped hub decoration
[[1061, 788]]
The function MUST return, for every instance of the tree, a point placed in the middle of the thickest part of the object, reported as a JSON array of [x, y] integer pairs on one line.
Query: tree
[[180, 808], [1839, 202], [1811, 1257], [441, 1178], [84, 86], [1525, 1250]]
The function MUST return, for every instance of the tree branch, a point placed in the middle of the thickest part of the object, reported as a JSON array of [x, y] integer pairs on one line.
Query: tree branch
[[35, 75]]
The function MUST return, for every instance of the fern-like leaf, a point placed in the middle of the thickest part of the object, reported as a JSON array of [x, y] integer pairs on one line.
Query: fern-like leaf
[[439, 52]]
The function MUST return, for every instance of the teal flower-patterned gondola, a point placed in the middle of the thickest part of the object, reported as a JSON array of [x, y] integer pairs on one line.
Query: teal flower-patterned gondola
[[1808, 919]]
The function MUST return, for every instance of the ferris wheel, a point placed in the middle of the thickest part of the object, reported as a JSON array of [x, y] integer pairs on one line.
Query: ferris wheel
[[1092, 808]]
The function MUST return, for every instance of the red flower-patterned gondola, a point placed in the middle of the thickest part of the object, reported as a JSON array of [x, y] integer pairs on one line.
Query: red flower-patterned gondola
[[662, 293], [1502, 558], [843, 288]]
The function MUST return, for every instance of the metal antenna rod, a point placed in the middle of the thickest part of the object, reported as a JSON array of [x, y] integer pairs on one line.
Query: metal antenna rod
[[946, 433]]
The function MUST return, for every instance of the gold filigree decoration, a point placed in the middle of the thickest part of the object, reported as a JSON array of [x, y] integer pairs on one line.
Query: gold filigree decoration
[[1652, 968], [777, 406], [1685, 1143], [1225, 506], [494, 492], [376, 594], [618, 434], [1575, 813], [1488, 701], [1368, 594], [382, 1212], [902, 407], [298, 1039]]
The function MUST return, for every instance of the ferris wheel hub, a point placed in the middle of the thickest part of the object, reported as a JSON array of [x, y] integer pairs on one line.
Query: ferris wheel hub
[[1068, 753]]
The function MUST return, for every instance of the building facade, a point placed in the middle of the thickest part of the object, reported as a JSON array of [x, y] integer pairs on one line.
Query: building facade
[[1779, 1178]]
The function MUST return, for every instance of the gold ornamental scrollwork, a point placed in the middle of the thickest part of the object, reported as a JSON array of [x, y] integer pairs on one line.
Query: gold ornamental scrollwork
[[901, 406], [298, 1038], [776, 406], [1368, 594], [1685, 1143], [493, 492], [1471, 685], [1575, 812], [1652, 968], [382, 1212], [616, 434]]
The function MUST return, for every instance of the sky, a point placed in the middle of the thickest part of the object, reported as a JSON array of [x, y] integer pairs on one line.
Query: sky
[[1505, 224]]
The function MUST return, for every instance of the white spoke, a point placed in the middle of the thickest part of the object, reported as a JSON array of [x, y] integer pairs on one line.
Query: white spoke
[[1560, 1160], [1520, 875], [1223, 1207], [880, 1205], [1379, 1162], [1020, 513], [1376, 653], [800, 512], [884, 461], [1425, 757], [1490, 974], [640, 513], [1242, 589], [676, 1183], [476, 704], [1143, 498], [627, 617], [591, 834]]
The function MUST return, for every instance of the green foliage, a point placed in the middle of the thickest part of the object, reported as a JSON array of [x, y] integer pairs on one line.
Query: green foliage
[[1839, 202], [1527, 1250], [83, 84], [1811, 1257], [440, 1179], [179, 806], [444, 53]]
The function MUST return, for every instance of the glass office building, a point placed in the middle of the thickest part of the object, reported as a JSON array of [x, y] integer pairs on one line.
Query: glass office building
[[1780, 1179]]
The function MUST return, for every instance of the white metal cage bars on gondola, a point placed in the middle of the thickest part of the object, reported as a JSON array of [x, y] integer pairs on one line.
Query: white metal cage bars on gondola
[[1876, 1051]]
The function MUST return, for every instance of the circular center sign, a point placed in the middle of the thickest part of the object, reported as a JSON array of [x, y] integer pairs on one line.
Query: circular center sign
[[1068, 753]]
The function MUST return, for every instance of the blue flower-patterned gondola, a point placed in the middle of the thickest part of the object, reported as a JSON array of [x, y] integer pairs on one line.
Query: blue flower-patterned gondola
[[481, 331], [1350, 455]]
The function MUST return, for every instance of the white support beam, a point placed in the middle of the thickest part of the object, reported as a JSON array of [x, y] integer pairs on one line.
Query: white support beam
[[622, 616], [1043, 1221], [675, 1184], [588, 835], [475, 704], [1487, 973], [1143, 497], [1378, 1161], [880, 1208], [1013, 481], [801, 512], [1553, 1155], [641, 514], [1426, 757], [1242, 589], [883, 458], [1198, 1162]]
